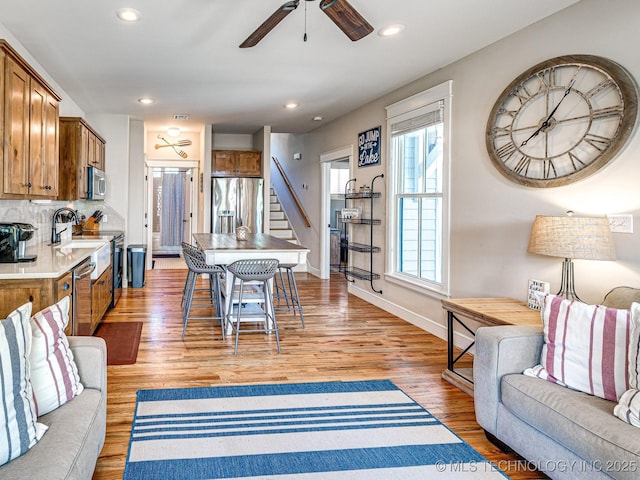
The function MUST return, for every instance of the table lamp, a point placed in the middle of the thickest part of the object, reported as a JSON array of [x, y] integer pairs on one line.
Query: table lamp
[[569, 237]]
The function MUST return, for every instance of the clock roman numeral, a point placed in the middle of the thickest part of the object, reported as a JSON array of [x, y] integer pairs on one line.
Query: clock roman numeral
[[606, 83], [548, 168], [499, 132], [522, 167], [505, 151], [548, 78], [575, 161], [598, 142], [607, 112], [504, 111], [523, 94]]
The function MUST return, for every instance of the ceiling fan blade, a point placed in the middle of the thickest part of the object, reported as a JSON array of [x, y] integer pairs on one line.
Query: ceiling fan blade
[[270, 23], [346, 18]]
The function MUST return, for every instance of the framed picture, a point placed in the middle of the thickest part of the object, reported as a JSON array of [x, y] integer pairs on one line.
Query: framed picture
[[536, 286], [369, 147]]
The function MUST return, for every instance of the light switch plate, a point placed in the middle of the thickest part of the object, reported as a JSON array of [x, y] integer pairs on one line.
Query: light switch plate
[[622, 223]]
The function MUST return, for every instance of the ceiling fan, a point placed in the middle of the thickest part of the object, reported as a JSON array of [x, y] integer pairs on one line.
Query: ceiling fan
[[341, 12]]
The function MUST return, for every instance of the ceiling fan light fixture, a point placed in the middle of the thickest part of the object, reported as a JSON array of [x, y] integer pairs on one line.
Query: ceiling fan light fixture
[[391, 30], [128, 15]]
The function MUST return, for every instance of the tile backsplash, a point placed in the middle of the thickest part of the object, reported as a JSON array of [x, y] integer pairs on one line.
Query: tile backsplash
[[40, 215]]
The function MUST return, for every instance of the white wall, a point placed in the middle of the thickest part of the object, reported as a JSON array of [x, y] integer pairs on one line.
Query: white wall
[[136, 230], [491, 217], [115, 130]]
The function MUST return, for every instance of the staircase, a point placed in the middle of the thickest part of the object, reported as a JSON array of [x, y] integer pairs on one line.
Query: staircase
[[280, 226]]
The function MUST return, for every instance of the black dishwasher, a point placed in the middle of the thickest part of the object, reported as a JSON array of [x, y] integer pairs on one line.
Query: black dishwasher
[[117, 250]]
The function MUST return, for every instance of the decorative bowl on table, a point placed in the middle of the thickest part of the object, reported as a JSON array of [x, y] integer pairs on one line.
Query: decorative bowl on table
[[241, 233]]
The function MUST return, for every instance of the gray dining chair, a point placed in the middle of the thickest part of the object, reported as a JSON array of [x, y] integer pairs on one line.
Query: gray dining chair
[[197, 265], [252, 271], [288, 291]]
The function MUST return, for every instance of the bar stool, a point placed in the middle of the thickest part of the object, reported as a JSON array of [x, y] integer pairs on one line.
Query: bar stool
[[292, 296], [253, 270], [197, 265]]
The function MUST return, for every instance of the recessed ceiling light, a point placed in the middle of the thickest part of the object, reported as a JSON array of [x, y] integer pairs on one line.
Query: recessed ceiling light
[[146, 100], [128, 15], [391, 30], [291, 105], [317, 118]]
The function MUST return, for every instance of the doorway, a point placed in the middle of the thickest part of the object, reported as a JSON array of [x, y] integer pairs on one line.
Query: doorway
[[171, 210], [171, 202], [336, 170]]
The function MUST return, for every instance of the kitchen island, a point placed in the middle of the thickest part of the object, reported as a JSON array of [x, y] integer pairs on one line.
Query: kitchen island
[[224, 249]]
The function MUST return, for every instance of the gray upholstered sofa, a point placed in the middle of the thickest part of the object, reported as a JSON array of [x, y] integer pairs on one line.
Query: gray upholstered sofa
[[70, 448], [565, 433]]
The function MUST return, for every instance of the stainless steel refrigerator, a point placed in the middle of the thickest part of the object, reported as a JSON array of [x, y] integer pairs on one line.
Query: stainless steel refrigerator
[[236, 202]]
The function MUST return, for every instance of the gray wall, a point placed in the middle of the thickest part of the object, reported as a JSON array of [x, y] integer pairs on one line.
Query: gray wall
[[491, 217]]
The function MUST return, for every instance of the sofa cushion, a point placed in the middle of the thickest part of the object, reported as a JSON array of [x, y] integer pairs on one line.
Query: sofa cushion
[[54, 374], [580, 422], [19, 430], [71, 446], [585, 347]]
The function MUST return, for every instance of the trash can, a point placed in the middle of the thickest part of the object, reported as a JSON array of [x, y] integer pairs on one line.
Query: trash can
[[136, 260]]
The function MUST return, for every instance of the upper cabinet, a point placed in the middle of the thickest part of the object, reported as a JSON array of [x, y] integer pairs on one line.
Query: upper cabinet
[[236, 163], [29, 125], [81, 147]]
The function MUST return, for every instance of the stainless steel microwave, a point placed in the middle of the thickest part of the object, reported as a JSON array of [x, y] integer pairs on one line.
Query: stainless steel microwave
[[97, 184]]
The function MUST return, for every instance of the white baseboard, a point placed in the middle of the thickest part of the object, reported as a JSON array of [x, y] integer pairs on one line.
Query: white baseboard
[[434, 327]]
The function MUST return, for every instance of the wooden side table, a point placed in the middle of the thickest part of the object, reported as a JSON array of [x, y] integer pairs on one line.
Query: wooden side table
[[486, 312]]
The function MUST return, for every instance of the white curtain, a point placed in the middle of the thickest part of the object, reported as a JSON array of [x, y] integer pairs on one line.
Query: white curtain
[[173, 208]]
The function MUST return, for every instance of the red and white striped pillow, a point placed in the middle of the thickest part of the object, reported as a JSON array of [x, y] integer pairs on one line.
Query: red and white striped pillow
[[54, 374], [585, 347], [628, 408]]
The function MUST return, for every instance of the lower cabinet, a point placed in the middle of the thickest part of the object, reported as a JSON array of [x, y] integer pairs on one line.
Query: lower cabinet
[[101, 295], [42, 292]]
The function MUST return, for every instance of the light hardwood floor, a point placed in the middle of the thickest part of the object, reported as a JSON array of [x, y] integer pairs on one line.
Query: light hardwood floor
[[345, 339]]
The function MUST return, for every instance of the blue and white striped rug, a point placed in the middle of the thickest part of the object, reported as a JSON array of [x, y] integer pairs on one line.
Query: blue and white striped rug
[[368, 430]]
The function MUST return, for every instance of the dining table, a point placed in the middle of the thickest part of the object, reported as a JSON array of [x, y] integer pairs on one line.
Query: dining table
[[225, 248]]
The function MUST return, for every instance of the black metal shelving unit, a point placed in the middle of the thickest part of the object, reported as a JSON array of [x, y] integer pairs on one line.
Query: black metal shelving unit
[[351, 272]]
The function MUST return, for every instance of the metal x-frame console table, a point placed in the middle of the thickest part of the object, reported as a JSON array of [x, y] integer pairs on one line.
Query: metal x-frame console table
[[485, 312]]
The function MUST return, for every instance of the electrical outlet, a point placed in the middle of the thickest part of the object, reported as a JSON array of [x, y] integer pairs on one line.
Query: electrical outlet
[[105, 218], [622, 223]]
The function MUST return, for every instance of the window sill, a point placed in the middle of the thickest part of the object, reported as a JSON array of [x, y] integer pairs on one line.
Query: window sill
[[416, 286]]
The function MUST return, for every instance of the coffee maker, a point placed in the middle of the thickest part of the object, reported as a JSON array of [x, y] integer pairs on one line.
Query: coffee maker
[[13, 241]]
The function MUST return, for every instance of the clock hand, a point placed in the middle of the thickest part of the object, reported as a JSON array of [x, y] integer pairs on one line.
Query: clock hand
[[545, 124]]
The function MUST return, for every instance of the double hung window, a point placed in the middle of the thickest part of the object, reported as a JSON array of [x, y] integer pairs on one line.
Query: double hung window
[[418, 131]]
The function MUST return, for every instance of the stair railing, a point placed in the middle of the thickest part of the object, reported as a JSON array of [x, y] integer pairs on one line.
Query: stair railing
[[301, 211]]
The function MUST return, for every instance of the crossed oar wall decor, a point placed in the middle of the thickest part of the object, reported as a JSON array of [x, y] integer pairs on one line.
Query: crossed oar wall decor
[[179, 143]]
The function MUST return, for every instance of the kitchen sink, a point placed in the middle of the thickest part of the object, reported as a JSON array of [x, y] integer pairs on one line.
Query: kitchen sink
[[101, 255]]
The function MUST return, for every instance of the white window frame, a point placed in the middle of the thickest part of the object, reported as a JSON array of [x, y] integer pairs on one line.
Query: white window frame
[[404, 110]]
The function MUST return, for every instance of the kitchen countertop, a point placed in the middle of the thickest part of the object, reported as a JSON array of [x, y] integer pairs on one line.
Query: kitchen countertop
[[52, 262]]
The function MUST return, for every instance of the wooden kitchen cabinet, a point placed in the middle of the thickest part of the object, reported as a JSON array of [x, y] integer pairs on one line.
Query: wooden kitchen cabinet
[[42, 292], [81, 147], [101, 295], [236, 163], [29, 125]]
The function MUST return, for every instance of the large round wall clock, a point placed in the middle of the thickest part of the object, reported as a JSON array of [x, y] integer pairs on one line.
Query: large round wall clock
[[561, 120]]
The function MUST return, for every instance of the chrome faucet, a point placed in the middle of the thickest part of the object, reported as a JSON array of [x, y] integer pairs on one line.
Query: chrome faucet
[[55, 234]]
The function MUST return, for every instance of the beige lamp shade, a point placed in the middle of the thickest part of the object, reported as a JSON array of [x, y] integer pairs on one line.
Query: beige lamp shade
[[586, 238]]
